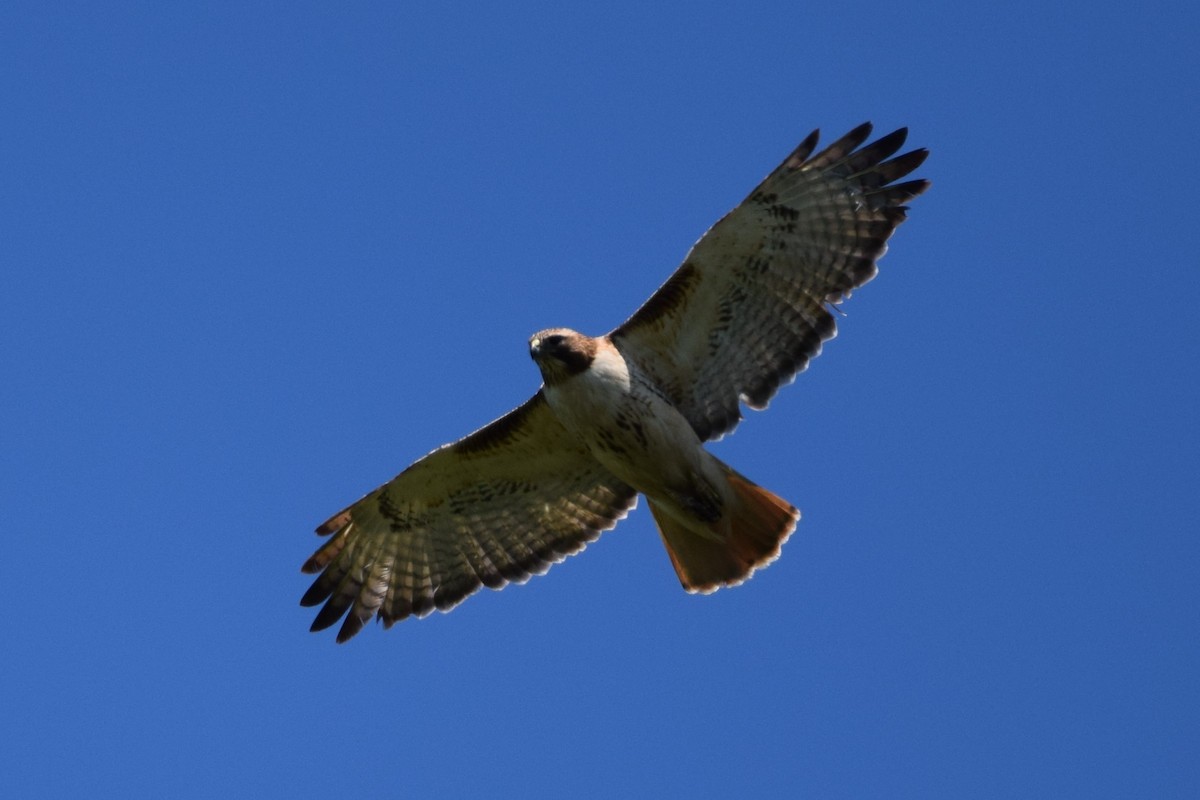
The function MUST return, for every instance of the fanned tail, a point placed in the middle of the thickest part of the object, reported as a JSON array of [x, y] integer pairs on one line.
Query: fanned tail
[[748, 536]]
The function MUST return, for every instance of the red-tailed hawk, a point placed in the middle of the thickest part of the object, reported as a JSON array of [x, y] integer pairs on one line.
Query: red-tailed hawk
[[627, 413]]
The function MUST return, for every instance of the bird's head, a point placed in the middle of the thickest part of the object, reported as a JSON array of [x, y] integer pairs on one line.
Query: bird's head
[[561, 352]]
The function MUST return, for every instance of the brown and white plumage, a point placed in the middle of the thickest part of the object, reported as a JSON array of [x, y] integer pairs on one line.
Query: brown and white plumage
[[750, 305], [493, 508], [626, 413]]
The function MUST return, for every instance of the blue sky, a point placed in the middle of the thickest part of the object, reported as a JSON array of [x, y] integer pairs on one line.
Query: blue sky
[[256, 258]]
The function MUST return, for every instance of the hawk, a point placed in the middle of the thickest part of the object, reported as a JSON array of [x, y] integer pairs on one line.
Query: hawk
[[627, 413]]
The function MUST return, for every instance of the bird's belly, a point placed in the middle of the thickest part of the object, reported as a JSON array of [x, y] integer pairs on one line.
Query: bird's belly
[[634, 432]]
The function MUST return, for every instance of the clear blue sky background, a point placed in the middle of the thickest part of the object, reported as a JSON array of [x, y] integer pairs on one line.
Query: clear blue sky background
[[256, 258]]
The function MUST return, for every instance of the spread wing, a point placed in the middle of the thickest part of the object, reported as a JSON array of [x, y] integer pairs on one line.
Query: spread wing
[[751, 303], [498, 506]]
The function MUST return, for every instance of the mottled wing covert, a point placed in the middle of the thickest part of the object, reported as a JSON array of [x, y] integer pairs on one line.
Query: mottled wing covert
[[750, 305], [494, 508]]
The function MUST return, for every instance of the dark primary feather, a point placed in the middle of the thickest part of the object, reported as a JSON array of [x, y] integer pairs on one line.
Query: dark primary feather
[[502, 504], [750, 306]]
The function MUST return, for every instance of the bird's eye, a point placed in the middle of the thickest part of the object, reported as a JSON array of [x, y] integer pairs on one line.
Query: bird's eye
[[552, 341]]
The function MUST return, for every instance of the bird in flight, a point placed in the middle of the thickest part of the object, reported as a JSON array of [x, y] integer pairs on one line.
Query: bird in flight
[[627, 413]]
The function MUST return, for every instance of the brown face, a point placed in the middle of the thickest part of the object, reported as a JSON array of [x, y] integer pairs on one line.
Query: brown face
[[560, 352]]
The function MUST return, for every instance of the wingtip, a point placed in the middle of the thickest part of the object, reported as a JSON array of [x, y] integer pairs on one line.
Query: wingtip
[[918, 156], [334, 523], [904, 192], [323, 621], [807, 146], [890, 143], [351, 626], [861, 131], [316, 594]]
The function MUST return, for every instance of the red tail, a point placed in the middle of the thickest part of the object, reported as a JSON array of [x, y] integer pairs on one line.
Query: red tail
[[746, 537]]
